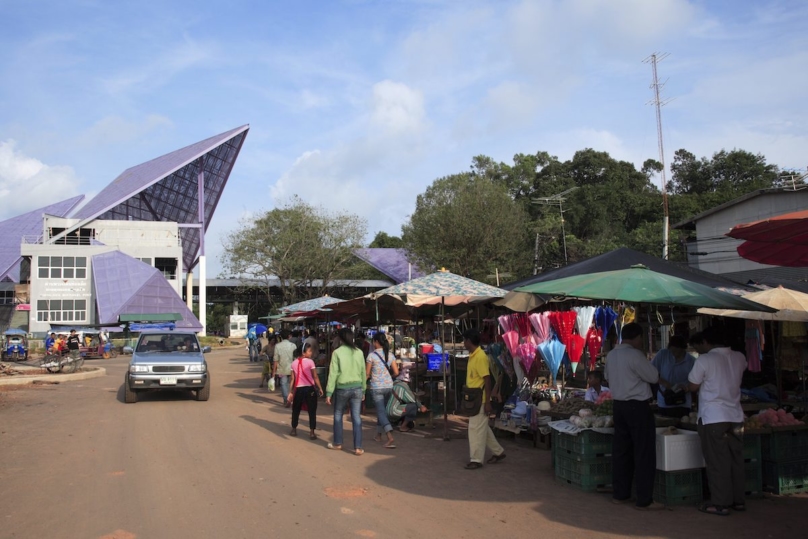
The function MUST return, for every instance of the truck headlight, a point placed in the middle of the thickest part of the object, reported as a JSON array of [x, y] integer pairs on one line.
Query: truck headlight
[[197, 368], [138, 368]]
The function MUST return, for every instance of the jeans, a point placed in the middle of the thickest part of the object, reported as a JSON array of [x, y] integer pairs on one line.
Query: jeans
[[284, 379], [305, 395], [343, 397], [380, 397]]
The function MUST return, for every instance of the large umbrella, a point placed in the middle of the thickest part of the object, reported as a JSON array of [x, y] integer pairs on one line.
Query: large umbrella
[[316, 304], [792, 306], [778, 241], [639, 284], [520, 302], [443, 288], [373, 308]]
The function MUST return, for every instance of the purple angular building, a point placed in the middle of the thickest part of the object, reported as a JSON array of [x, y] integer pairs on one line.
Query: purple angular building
[[124, 253]]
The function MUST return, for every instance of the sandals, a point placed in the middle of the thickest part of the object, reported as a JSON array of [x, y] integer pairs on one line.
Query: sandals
[[312, 436], [293, 432], [495, 459], [473, 466], [377, 438], [712, 509], [390, 445], [334, 447], [739, 507], [359, 452]]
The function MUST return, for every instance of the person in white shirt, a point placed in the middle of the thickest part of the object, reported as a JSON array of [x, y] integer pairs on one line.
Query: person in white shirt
[[716, 376], [674, 363], [596, 387], [630, 374]]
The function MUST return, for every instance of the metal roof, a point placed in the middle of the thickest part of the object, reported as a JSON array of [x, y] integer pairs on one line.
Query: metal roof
[[394, 263], [124, 285], [690, 223], [28, 224], [165, 188]]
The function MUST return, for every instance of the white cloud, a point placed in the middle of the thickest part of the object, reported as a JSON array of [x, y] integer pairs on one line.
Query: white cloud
[[27, 183], [397, 108]]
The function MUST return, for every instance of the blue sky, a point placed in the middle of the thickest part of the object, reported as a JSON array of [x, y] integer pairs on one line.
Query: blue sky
[[359, 105]]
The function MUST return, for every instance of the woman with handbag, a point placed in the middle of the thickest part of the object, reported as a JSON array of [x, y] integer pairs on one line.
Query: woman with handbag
[[304, 393], [381, 368]]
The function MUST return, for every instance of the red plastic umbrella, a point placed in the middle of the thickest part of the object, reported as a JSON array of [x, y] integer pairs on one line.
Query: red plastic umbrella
[[563, 323], [778, 241], [575, 347], [594, 340]]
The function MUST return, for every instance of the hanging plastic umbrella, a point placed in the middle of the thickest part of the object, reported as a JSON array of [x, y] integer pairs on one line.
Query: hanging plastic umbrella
[[527, 355], [563, 322], [604, 319], [541, 326], [594, 342], [500, 353], [506, 323], [511, 339], [552, 351], [584, 318], [575, 348]]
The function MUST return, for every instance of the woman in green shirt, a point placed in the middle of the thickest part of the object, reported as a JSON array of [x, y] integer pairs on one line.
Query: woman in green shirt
[[347, 383]]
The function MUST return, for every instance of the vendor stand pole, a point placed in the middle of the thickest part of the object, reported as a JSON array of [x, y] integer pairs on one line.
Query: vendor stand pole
[[444, 368]]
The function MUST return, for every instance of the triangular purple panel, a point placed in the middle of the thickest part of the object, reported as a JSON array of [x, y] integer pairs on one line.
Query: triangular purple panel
[[124, 285]]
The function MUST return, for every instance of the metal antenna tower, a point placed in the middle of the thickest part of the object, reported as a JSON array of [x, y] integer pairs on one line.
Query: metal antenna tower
[[555, 200], [659, 103]]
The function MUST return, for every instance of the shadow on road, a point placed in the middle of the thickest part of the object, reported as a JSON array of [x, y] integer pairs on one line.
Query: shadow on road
[[245, 383], [157, 396]]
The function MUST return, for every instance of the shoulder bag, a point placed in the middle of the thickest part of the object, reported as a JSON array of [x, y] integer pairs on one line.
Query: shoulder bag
[[471, 400]]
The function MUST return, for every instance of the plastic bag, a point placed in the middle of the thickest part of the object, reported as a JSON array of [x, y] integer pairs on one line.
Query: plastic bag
[[271, 384]]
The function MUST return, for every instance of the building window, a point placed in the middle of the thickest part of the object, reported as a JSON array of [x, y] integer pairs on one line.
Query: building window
[[166, 266], [61, 310], [82, 236], [6, 297], [145, 260], [62, 267]]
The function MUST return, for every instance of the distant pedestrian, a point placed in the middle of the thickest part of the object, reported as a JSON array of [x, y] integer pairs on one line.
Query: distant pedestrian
[[478, 375], [267, 357], [74, 346], [306, 390], [346, 383], [284, 355]]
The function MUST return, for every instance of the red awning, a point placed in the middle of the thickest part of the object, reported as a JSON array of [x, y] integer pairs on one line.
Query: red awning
[[778, 241]]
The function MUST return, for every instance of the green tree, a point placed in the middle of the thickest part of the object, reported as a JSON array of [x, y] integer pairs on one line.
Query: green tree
[[470, 225], [299, 248], [383, 240]]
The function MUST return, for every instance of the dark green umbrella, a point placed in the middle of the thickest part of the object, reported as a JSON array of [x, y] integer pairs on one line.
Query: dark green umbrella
[[639, 284]]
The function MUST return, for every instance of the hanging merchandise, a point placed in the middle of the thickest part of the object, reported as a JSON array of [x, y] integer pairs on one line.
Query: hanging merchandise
[[506, 323], [754, 346], [627, 316], [500, 353], [511, 339], [594, 342], [575, 348], [552, 351], [527, 354], [523, 326], [583, 320], [563, 322], [541, 326], [604, 319]]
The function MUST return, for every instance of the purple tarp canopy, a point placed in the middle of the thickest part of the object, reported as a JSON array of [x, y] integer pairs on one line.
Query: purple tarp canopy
[[125, 285], [28, 224], [394, 263], [165, 188]]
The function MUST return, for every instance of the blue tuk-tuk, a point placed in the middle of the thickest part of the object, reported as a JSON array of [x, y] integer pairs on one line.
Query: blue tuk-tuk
[[15, 345]]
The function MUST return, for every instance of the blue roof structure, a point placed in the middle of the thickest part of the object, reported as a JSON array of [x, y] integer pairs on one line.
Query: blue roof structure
[[165, 188], [13, 230], [394, 263], [125, 285]]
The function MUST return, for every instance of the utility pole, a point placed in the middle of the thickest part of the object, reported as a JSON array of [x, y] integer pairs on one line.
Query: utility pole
[[555, 200], [658, 103]]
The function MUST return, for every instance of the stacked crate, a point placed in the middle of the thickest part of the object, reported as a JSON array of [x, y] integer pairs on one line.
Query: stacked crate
[[785, 461], [680, 487], [753, 465], [583, 461], [679, 474]]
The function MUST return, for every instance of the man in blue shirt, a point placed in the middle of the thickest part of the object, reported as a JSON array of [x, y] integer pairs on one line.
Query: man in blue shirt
[[674, 364], [49, 341]]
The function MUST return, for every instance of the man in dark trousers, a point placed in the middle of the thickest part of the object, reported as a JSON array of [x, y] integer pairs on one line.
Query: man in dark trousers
[[73, 345], [634, 446]]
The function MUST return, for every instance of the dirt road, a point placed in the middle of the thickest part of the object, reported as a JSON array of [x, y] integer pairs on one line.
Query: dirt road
[[76, 462]]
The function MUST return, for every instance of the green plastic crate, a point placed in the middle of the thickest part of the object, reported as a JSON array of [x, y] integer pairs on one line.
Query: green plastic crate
[[753, 473], [785, 446], [681, 487], [751, 447], [588, 483], [587, 444], [785, 477], [599, 467]]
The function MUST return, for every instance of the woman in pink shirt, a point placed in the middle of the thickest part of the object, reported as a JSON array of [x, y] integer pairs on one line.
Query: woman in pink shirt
[[304, 379]]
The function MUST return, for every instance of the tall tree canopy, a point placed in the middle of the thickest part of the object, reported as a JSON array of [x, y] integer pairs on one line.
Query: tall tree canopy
[[470, 225], [305, 247]]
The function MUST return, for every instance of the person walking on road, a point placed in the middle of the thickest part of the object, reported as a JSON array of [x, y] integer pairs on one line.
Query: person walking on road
[[73, 346], [716, 376], [306, 390], [381, 368], [347, 383], [284, 355], [478, 375], [634, 445]]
